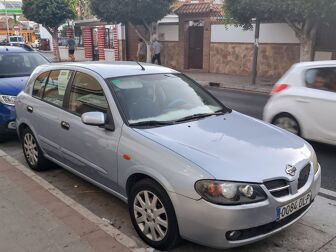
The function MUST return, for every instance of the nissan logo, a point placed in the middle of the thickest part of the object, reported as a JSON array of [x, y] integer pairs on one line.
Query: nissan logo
[[290, 170]]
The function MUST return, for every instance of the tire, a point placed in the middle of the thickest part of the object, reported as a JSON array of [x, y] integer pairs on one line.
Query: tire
[[32, 151], [287, 122], [159, 219]]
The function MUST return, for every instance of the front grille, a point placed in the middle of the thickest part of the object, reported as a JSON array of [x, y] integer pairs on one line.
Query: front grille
[[267, 228], [303, 177], [278, 188]]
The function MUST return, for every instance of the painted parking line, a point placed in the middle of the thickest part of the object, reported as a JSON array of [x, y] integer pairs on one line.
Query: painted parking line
[[102, 223]]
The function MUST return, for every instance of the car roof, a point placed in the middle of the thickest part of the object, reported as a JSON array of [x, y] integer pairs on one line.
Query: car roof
[[13, 49], [315, 63], [114, 69]]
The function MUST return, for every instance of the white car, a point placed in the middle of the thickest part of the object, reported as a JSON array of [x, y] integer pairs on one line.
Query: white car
[[304, 101]]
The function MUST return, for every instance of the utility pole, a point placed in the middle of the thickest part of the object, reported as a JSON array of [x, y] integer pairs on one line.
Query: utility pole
[[255, 52], [6, 21]]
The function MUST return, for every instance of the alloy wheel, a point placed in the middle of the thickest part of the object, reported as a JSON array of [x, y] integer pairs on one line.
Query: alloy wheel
[[288, 124], [30, 149], [150, 215]]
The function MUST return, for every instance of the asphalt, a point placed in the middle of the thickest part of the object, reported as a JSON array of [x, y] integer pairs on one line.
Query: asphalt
[[252, 104]]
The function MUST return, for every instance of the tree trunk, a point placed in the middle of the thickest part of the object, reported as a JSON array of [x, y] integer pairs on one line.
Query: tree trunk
[[306, 33], [148, 42], [57, 57], [306, 49]]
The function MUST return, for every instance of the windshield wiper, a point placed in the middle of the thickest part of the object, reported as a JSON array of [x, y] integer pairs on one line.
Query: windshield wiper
[[152, 123], [200, 116]]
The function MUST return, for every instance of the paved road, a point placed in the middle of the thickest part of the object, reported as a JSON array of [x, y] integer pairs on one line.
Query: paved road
[[253, 104], [108, 207]]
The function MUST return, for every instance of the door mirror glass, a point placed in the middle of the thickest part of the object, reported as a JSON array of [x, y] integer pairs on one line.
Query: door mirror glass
[[94, 118]]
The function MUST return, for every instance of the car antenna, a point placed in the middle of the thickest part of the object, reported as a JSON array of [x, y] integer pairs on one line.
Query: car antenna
[[142, 68]]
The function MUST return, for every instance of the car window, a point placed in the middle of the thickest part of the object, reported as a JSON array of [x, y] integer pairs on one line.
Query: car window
[[322, 78], [161, 97], [86, 95], [39, 85], [55, 89], [19, 64]]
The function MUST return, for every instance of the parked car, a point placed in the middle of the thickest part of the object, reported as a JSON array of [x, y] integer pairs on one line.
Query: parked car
[[44, 44], [16, 40], [16, 64], [187, 166], [304, 101]]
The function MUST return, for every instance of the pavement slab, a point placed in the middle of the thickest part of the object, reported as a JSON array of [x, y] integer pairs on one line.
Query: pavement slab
[[33, 219]]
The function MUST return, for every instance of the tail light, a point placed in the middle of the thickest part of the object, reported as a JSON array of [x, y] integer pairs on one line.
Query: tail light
[[279, 88]]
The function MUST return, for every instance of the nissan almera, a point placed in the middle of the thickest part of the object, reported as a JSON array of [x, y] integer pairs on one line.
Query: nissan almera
[[187, 166]]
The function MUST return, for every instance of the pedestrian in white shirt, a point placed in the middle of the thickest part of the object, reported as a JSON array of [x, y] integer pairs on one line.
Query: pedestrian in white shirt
[[156, 51]]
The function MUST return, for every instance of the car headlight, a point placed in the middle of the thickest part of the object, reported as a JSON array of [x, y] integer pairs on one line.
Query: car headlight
[[315, 162], [229, 193], [8, 100]]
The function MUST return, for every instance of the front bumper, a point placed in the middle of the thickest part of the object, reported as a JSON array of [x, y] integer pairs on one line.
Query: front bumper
[[207, 224], [7, 119]]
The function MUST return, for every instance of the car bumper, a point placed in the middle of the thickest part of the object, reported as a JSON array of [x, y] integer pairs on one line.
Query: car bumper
[[208, 224], [7, 119]]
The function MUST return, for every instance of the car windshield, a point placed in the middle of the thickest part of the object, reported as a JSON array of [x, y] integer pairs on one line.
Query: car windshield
[[19, 64], [163, 98]]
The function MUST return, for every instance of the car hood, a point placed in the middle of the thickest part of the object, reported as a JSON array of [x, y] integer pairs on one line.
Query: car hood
[[12, 86], [234, 147]]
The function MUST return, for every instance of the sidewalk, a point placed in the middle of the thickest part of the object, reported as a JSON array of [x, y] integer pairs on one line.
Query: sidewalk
[[33, 219], [264, 85]]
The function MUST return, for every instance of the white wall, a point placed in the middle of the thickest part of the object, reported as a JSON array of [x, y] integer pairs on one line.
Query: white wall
[[269, 33], [168, 32]]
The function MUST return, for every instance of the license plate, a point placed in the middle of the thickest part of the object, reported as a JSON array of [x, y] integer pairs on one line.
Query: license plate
[[284, 211]]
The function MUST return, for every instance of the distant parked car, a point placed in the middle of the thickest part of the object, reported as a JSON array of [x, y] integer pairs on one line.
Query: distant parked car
[[44, 44], [187, 166], [15, 40], [304, 101], [16, 64]]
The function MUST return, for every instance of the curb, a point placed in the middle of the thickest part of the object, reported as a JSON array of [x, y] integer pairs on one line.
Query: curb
[[103, 224], [245, 90]]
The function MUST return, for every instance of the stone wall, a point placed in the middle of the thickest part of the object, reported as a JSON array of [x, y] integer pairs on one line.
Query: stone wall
[[171, 55], [236, 58]]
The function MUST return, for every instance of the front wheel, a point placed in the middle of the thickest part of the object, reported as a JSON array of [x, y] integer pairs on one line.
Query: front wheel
[[32, 152], [287, 122], [153, 215]]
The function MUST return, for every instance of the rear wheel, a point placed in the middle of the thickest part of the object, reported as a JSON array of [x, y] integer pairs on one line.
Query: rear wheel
[[32, 152], [287, 122], [153, 215]]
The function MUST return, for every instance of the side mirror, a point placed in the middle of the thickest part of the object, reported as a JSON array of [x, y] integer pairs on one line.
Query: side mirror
[[94, 118]]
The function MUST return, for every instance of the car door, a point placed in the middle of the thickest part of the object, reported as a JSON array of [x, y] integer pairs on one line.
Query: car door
[[319, 103], [90, 150], [44, 108]]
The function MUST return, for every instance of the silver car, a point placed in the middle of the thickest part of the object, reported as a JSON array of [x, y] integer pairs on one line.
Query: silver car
[[187, 166]]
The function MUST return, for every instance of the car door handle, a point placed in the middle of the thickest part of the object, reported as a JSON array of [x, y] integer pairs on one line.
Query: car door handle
[[30, 109], [65, 125], [302, 100]]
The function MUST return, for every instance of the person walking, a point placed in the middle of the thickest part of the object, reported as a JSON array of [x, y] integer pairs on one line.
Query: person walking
[[156, 51], [71, 45], [142, 51]]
